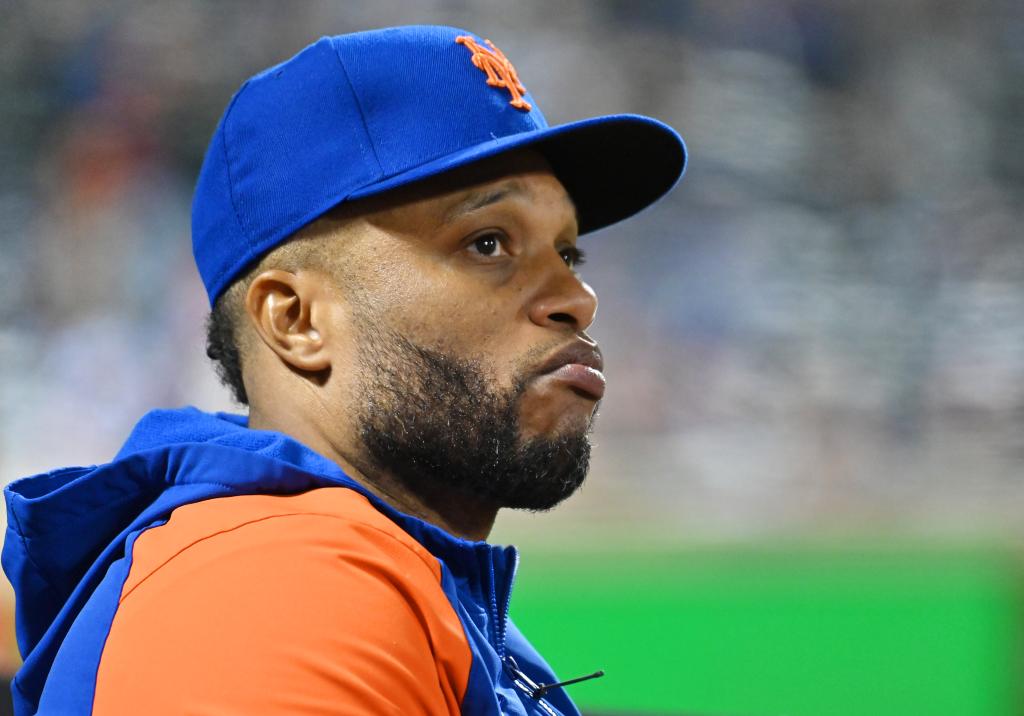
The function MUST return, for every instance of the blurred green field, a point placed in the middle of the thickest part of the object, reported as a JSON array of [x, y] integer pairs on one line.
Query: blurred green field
[[797, 631]]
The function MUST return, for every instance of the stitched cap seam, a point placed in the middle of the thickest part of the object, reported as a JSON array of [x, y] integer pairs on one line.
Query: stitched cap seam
[[231, 182], [359, 106]]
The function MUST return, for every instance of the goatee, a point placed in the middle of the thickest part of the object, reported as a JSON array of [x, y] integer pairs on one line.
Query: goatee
[[438, 425]]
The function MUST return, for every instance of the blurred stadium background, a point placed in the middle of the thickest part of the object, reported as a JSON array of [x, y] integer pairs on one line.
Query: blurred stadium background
[[807, 495]]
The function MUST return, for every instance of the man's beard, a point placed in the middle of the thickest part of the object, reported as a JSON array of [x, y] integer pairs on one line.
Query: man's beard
[[437, 425]]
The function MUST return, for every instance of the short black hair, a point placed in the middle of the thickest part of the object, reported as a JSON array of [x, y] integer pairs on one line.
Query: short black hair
[[222, 348]]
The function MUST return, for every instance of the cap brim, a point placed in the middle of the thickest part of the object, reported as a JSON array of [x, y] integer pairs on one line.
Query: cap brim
[[612, 166]]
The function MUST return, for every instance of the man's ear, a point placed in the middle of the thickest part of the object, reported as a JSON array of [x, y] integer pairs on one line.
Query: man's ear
[[284, 312]]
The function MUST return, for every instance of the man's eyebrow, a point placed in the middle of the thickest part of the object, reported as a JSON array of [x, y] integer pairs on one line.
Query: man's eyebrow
[[477, 200]]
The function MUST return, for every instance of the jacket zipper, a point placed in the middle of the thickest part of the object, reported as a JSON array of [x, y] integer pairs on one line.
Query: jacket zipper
[[509, 664], [501, 616], [527, 685]]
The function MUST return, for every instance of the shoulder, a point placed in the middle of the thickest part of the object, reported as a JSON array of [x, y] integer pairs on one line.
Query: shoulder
[[256, 527], [239, 601]]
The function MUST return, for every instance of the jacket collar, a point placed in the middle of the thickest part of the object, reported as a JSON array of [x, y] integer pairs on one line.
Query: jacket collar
[[66, 527]]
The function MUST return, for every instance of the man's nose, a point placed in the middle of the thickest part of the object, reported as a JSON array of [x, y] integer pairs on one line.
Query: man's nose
[[564, 300]]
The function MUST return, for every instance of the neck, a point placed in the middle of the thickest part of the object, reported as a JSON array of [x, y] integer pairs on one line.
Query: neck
[[455, 513]]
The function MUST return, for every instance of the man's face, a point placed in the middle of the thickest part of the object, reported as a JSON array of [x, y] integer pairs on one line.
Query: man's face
[[468, 367]]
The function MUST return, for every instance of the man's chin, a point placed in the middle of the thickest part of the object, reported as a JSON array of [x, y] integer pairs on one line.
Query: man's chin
[[558, 422], [544, 472]]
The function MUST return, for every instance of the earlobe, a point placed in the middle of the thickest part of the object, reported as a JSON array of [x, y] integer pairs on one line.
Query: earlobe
[[281, 307]]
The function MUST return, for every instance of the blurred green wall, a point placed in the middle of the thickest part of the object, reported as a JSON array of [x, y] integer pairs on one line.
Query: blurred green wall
[[797, 631]]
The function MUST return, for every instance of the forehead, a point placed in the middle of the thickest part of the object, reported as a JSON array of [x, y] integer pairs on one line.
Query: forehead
[[524, 174]]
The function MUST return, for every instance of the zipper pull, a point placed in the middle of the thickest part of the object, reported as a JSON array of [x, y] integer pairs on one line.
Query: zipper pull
[[538, 691], [544, 688]]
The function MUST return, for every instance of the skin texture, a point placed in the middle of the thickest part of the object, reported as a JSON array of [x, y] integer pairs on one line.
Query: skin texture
[[475, 265]]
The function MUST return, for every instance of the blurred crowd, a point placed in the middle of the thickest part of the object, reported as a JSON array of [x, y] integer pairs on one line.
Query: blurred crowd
[[821, 330]]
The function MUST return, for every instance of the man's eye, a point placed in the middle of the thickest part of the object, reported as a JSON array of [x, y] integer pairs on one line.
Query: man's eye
[[488, 245], [573, 257]]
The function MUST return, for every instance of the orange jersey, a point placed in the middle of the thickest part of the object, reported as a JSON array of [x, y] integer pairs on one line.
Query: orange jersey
[[318, 593]]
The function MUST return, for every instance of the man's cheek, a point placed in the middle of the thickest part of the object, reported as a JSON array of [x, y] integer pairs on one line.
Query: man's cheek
[[445, 330]]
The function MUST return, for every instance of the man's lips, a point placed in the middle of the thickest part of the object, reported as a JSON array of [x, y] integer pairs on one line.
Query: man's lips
[[579, 366], [583, 378]]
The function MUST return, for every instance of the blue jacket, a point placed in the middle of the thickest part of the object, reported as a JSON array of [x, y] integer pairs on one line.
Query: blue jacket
[[69, 547]]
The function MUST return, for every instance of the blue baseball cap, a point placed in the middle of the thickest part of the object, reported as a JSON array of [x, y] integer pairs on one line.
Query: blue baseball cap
[[356, 115]]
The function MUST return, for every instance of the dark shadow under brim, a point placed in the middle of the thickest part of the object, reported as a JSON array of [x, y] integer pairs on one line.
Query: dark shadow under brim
[[611, 166]]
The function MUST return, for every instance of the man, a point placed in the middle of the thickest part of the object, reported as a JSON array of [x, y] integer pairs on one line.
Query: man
[[387, 228]]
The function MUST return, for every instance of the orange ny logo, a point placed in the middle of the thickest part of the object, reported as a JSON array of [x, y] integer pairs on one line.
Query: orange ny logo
[[500, 72]]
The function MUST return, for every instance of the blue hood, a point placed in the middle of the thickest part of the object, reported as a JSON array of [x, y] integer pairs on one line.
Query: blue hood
[[66, 527]]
